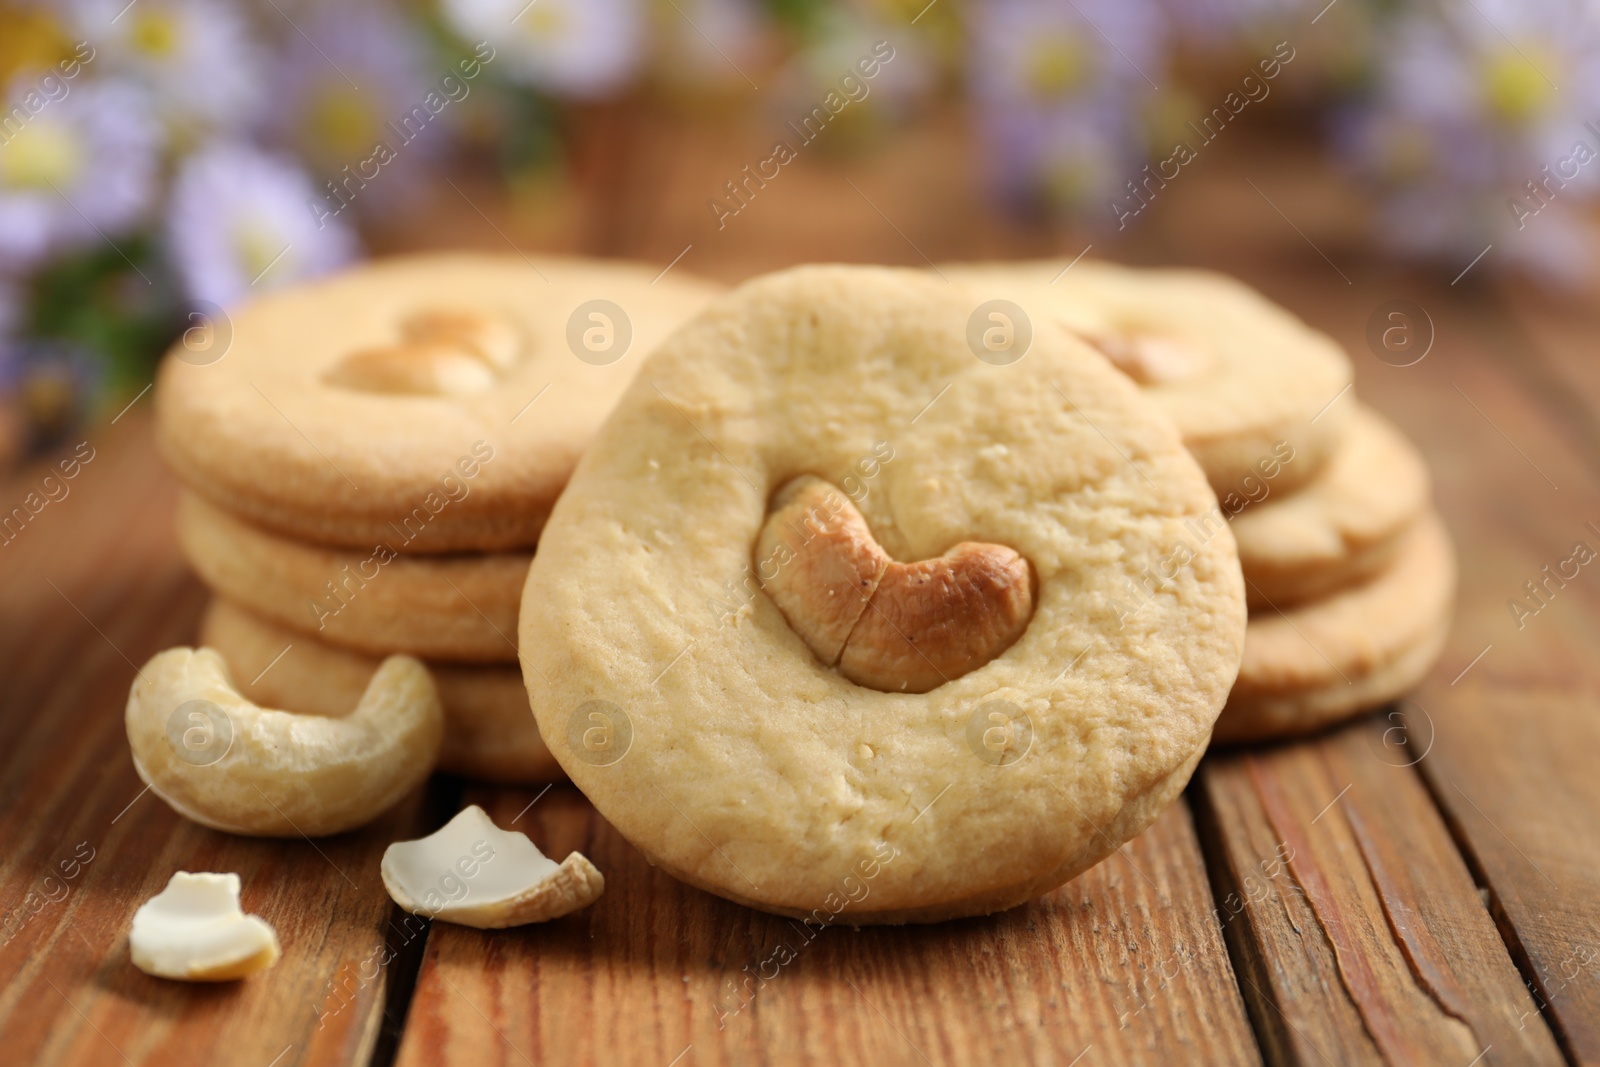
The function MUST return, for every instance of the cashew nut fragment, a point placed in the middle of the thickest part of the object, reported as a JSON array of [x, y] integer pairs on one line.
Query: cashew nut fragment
[[887, 625], [195, 931], [473, 873], [231, 765]]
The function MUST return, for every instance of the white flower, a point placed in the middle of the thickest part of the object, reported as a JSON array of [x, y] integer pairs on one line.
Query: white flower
[[1059, 91], [1049, 53], [73, 168], [578, 48], [195, 56], [239, 222]]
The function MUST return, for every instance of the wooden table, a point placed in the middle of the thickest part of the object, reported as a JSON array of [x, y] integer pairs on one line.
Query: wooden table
[[1422, 886]]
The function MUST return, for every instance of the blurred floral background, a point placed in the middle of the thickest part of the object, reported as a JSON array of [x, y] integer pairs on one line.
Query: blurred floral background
[[163, 159]]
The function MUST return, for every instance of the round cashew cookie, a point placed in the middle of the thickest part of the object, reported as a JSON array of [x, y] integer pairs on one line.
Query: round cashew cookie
[[489, 731], [1329, 660], [460, 607], [1251, 387], [1346, 524], [435, 401], [816, 496]]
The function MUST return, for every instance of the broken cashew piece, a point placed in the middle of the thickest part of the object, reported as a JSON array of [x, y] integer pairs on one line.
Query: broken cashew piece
[[473, 873], [228, 764], [195, 931], [892, 626]]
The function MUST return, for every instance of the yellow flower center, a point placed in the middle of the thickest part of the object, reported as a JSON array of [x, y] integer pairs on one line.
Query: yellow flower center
[[41, 155], [1515, 87], [155, 33], [1058, 66], [545, 19], [341, 121], [257, 248]]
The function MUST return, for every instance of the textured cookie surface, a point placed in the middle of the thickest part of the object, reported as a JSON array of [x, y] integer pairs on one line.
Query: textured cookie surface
[[1355, 650], [459, 607], [1245, 381], [489, 730], [1345, 524], [439, 401], [676, 694]]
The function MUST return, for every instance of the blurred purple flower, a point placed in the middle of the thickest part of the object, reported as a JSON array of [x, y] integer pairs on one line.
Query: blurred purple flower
[[84, 165], [239, 222], [333, 100], [195, 56], [1468, 112], [1059, 91], [575, 48]]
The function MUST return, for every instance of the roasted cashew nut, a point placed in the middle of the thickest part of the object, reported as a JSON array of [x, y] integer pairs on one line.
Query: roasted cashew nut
[[231, 765], [1153, 358], [887, 625], [440, 353]]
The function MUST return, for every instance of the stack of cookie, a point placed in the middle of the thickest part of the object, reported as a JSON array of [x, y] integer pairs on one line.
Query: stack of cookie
[[369, 460], [1349, 573]]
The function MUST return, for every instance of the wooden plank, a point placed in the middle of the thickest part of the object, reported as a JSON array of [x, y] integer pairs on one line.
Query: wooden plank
[[1556, 332], [86, 845], [1515, 475], [1513, 698], [1524, 801], [1360, 936], [1127, 961]]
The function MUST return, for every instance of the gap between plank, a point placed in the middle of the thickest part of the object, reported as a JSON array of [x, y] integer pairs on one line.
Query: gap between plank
[[443, 799]]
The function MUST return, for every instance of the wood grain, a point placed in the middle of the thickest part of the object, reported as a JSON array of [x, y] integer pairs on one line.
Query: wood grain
[[1126, 965], [1513, 698], [94, 587], [1370, 944], [1361, 937]]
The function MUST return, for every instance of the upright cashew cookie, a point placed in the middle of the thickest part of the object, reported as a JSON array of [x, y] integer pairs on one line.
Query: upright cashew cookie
[[1246, 382], [814, 503], [436, 402]]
